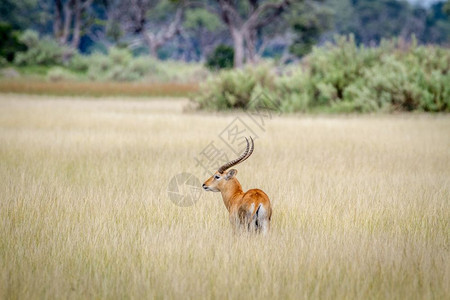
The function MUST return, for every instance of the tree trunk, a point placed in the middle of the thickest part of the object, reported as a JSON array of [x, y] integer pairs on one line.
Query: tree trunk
[[250, 42], [241, 29], [238, 45], [57, 19], [77, 25], [150, 40], [64, 37], [153, 49]]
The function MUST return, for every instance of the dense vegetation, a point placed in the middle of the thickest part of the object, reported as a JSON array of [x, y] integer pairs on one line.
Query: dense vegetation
[[397, 58], [343, 77], [221, 58], [191, 30], [44, 56]]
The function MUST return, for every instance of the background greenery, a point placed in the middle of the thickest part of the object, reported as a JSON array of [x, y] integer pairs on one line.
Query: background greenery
[[342, 77], [328, 56]]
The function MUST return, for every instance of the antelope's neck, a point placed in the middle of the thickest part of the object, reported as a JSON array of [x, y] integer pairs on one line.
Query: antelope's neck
[[231, 193]]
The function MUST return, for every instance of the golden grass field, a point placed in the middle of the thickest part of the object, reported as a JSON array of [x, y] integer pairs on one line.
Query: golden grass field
[[361, 205]]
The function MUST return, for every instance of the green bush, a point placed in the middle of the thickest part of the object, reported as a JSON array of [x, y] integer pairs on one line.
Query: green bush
[[142, 66], [402, 82], [79, 63], [344, 77], [221, 58], [99, 66], [119, 65], [120, 56], [59, 74], [40, 51], [233, 88]]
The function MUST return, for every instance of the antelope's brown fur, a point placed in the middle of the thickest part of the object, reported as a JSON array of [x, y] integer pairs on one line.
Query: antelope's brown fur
[[243, 207]]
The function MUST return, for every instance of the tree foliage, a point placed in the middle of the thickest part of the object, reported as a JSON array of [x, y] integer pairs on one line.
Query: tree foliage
[[371, 21], [191, 30], [23, 14], [221, 58], [308, 23], [203, 29], [9, 42]]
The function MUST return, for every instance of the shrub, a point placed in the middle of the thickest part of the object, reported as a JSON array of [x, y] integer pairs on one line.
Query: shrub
[[143, 65], [120, 65], [344, 77], [99, 65], [233, 88], [59, 74], [221, 58], [120, 56], [117, 65], [79, 62], [119, 73], [401, 82], [40, 51], [293, 89], [29, 38]]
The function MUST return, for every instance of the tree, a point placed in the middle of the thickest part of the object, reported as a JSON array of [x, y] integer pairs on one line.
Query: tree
[[446, 8], [437, 24], [9, 42], [221, 58], [156, 21], [204, 28], [308, 21], [370, 21], [68, 21], [12, 12], [244, 19]]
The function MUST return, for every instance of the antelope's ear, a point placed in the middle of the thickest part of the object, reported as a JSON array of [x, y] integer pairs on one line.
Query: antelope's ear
[[231, 174]]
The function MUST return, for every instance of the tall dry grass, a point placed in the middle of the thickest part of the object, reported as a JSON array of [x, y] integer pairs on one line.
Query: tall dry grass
[[361, 205]]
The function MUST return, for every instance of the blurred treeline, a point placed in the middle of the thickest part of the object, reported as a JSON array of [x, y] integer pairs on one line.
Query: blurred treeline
[[324, 56], [222, 33]]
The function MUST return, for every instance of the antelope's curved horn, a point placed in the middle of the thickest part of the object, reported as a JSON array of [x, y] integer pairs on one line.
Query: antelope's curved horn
[[248, 151]]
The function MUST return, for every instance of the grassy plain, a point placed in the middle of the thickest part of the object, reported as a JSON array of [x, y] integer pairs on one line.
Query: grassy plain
[[361, 205], [97, 89]]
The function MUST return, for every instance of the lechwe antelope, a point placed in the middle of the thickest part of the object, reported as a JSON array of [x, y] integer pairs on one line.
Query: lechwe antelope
[[249, 211]]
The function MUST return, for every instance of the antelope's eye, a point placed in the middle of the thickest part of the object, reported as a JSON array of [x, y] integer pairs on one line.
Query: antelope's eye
[[216, 176]]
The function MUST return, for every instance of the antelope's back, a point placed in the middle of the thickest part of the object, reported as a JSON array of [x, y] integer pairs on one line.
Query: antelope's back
[[253, 198]]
